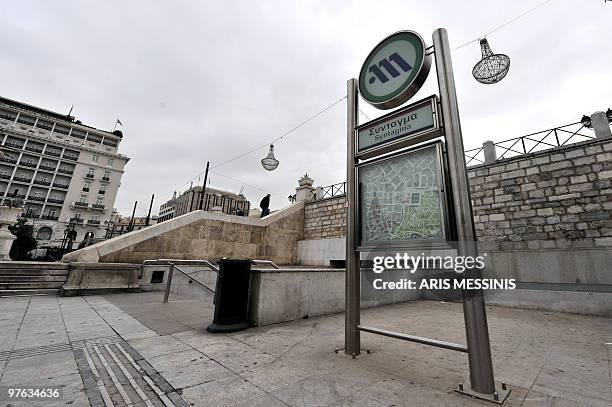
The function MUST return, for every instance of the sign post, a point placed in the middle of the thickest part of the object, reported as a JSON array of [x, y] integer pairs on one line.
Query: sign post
[[392, 73], [474, 312]]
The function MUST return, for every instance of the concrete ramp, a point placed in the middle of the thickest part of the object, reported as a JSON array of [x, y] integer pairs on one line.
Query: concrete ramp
[[205, 235]]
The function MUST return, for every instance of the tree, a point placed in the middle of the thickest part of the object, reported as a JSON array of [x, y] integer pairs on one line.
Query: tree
[[25, 240]]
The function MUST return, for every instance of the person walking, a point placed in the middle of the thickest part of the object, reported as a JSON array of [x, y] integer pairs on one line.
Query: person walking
[[265, 205]]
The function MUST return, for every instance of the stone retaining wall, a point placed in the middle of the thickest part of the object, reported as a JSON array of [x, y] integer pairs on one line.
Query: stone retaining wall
[[560, 198], [325, 218]]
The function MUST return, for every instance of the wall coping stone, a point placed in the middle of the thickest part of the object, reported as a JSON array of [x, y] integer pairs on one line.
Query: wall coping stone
[[92, 254]]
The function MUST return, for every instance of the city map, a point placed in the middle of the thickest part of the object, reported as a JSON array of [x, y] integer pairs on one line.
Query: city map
[[400, 198]]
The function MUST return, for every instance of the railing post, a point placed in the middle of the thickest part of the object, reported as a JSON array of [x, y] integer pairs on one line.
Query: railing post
[[600, 124], [168, 283], [490, 155]]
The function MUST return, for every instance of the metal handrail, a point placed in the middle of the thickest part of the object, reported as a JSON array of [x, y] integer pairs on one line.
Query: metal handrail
[[172, 263], [181, 261], [269, 262], [172, 266]]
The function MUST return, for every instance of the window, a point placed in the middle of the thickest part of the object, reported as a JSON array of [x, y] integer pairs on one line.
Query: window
[[3, 172], [77, 215], [52, 212], [87, 185], [102, 189], [44, 179], [29, 161], [95, 217], [37, 193], [82, 199], [94, 158], [415, 198], [99, 201], [111, 162], [54, 195], [107, 174]]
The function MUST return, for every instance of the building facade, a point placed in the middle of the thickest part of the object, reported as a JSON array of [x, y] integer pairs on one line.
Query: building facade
[[215, 200], [121, 225], [67, 173], [166, 210]]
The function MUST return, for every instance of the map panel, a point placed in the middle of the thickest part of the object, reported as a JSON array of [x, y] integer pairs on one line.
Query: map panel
[[400, 198]]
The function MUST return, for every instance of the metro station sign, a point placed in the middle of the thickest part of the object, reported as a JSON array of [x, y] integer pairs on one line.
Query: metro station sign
[[395, 70]]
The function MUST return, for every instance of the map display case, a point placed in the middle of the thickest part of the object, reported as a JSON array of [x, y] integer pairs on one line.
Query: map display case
[[402, 200]]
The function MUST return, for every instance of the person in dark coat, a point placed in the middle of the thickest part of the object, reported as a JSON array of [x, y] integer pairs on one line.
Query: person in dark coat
[[265, 205]]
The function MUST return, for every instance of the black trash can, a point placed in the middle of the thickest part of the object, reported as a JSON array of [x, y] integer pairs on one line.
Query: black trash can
[[232, 296]]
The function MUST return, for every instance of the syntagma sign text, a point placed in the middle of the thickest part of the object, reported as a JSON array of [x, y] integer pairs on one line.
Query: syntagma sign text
[[408, 122]]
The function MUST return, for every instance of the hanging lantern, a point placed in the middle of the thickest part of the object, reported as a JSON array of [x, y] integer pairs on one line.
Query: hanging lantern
[[492, 68], [270, 163]]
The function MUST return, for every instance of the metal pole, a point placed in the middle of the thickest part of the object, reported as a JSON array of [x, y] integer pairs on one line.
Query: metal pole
[[352, 336], [168, 283], [131, 224], [204, 186], [474, 311], [150, 207]]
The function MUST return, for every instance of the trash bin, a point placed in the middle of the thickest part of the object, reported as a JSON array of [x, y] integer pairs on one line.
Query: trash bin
[[232, 296]]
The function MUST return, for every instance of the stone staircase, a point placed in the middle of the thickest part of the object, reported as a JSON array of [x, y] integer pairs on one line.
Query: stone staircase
[[31, 278]]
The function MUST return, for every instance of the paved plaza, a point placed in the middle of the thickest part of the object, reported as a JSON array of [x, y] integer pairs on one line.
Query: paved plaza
[[129, 349]]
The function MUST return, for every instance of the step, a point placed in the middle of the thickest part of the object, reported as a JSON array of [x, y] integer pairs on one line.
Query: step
[[34, 271], [31, 286], [15, 293], [28, 278]]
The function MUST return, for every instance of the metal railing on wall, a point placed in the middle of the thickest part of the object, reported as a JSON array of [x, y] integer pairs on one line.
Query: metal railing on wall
[[329, 191], [530, 143]]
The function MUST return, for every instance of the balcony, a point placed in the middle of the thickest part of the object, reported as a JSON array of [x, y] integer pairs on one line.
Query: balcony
[[8, 159], [55, 201], [53, 153], [14, 145], [34, 149], [46, 168], [22, 179], [97, 207], [19, 196], [77, 221], [89, 176], [93, 222], [36, 198], [81, 204], [42, 182], [71, 157], [27, 164], [57, 185], [65, 171], [5, 176], [50, 217], [33, 215], [105, 179]]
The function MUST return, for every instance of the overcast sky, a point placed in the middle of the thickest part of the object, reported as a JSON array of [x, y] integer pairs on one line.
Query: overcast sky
[[208, 80]]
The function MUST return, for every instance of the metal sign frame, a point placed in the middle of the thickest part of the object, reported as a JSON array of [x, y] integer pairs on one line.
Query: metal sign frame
[[476, 328], [402, 140]]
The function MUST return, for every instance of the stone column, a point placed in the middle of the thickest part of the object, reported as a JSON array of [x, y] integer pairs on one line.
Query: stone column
[[490, 155], [8, 216], [601, 125], [304, 192]]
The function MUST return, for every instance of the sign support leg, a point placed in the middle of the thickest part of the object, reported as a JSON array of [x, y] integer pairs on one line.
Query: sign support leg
[[474, 311], [352, 336]]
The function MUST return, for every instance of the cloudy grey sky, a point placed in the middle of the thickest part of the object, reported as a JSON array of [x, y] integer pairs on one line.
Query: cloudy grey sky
[[208, 80]]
